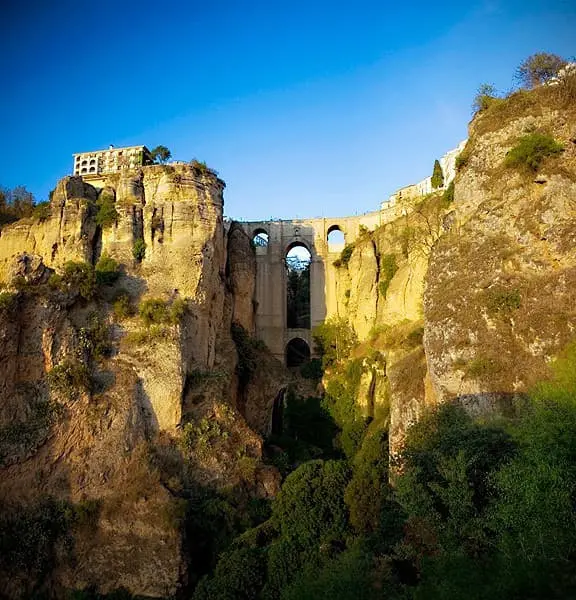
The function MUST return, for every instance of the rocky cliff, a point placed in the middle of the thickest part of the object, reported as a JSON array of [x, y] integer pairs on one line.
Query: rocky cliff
[[486, 268], [117, 415]]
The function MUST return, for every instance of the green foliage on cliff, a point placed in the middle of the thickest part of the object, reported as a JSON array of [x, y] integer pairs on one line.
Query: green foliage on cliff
[[437, 176], [334, 339], [345, 256], [531, 150], [106, 213], [139, 249], [107, 270], [70, 379], [156, 311], [538, 69], [388, 268], [79, 277]]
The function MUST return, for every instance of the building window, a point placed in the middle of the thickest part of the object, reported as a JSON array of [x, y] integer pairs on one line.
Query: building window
[[83, 170], [92, 169], [84, 162]]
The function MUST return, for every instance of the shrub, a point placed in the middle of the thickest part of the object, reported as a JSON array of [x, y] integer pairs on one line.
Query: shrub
[[345, 256], [334, 339], [80, 277], [107, 270], [155, 311], [41, 211], [531, 151], [462, 159], [202, 167], [95, 339], [139, 249], [106, 213], [202, 436], [247, 349], [312, 369], [123, 307], [485, 97], [70, 379], [7, 300], [448, 195], [502, 302]]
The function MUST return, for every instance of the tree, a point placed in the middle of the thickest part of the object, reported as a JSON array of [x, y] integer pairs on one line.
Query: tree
[[160, 155], [538, 69], [485, 95], [437, 176]]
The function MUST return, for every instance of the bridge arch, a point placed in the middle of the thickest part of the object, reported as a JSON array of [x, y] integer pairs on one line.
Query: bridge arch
[[335, 238], [260, 238], [297, 352]]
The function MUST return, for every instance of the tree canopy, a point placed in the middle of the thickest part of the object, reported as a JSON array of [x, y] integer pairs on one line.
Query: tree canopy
[[437, 176], [160, 154], [538, 69]]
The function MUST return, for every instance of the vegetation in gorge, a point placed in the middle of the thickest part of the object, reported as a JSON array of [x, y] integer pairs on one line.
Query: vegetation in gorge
[[479, 510]]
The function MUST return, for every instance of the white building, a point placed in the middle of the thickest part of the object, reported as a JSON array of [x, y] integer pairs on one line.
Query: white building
[[103, 162]]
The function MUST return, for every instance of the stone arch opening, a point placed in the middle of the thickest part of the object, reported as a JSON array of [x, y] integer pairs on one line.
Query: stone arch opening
[[260, 238], [297, 261], [297, 353], [335, 238]]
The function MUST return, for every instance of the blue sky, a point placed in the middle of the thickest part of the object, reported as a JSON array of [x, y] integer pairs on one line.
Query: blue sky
[[305, 108]]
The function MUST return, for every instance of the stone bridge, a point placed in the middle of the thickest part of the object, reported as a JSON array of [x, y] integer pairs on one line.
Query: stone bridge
[[271, 272]]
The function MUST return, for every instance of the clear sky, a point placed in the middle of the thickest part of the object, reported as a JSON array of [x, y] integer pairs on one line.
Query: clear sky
[[306, 108]]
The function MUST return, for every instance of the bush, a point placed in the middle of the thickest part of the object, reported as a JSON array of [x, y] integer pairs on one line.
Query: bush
[[95, 339], [7, 300], [201, 167], [70, 379], [345, 256], [123, 307], [106, 214], [448, 195], [334, 339], [312, 369], [139, 249], [531, 151], [502, 302], [462, 159], [485, 97], [107, 270], [80, 277], [155, 311], [41, 211]]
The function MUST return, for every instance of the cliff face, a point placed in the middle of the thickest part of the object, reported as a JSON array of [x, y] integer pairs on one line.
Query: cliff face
[[107, 415], [489, 275]]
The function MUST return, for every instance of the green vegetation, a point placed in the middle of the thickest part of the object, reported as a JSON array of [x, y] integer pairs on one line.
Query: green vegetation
[[482, 367], [388, 268], [345, 256], [123, 307], [41, 211], [531, 150], [485, 97], [107, 270], [160, 155], [202, 168], [70, 379], [437, 176], [21, 437], [139, 249], [334, 339], [79, 277], [94, 340], [7, 300], [463, 158], [155, 311], [106, 213], [247, 349], [16, 203], [202, 436], [538, 69], [448, 195], [503, 302]]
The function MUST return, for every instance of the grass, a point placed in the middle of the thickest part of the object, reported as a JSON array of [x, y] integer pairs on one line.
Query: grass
[[482, 367]]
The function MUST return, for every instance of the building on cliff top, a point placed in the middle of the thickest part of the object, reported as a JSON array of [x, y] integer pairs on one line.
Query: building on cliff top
[[104, 162], [415, 190]]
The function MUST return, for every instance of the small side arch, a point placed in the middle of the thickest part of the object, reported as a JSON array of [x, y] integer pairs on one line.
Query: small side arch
[[260, 238], [297, 353], [335, 238]]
